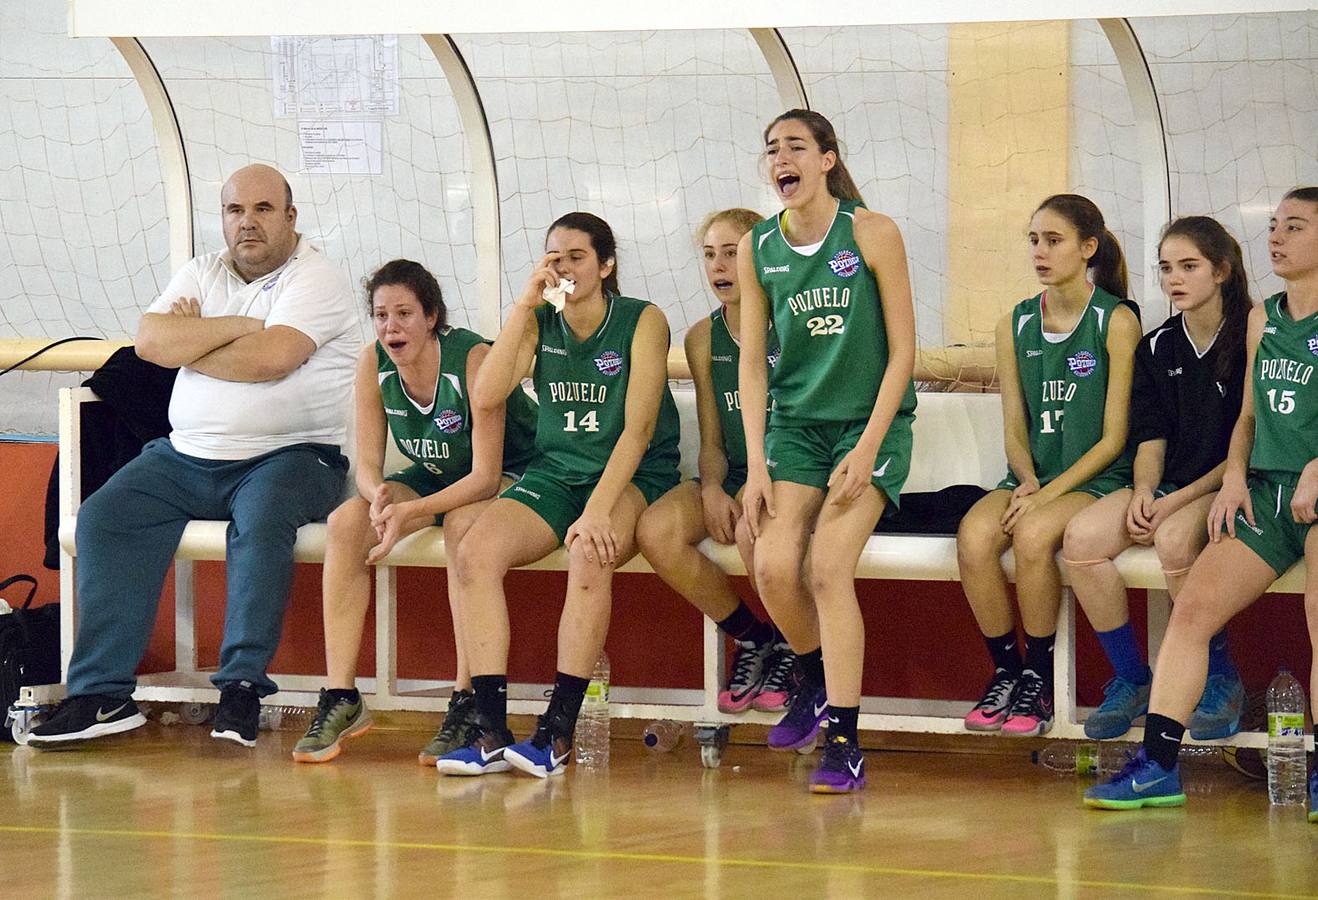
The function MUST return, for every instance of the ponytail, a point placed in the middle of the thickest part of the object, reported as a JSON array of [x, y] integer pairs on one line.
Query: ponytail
[[1109, 266]]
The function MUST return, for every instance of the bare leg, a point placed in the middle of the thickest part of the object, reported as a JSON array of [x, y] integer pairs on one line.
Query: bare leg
[[586, 611], [840, 536], [1226, 578], [980, 543], [457, 522], [1036, 540], [507, 534], [1092, 540], [1311, 611], [667, 533], [780, 563], [346, 586], [1180, 539]]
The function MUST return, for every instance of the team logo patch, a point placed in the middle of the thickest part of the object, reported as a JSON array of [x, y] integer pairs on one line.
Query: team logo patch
[[609, 362], [449, 421], [1313, 345], [773, 357], [844, 263], [1082, 364]]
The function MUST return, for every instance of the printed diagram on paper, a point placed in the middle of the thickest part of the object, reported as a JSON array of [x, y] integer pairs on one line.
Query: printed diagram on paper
[[327, 76]]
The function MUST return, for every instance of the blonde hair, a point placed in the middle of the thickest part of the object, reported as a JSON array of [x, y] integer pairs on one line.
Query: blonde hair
[[739, 217]]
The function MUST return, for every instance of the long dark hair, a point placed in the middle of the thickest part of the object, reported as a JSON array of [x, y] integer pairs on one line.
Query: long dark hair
[[1223, 252], [416, 278], [1108, 263], [601, 241], [840, 183]]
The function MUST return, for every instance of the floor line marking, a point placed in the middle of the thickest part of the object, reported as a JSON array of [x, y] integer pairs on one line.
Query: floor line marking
[[626, 856]]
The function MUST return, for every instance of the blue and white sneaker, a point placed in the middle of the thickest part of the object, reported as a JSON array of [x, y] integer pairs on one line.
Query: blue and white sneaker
[[483, 754], [546, 752], [799, 728], [1219, 710], [1141, 782], [1123, 702]]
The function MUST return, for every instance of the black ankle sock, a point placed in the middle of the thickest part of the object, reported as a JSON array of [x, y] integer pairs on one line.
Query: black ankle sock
[[492, 699], [842, 721], [810, 666], [569, 691], [1162, 739], [352, 695], [742, 625], [1003, 650], [1039, 656]]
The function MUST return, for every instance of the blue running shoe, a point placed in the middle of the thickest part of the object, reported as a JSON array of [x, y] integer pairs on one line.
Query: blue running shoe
[[800, 726], [546, 752], [1313, 796], [841, 769], [1219, 710], [1123, 702], [483, 754], [1141, 782]]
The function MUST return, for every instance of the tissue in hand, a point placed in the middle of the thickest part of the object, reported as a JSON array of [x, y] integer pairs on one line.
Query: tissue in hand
[[556, 294]]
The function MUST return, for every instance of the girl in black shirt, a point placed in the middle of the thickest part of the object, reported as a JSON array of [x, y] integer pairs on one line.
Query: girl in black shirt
[[1189, 375]]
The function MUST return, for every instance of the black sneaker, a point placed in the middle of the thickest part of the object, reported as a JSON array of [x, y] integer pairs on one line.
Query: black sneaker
[[85, 717], [455, 732], [238, 715]]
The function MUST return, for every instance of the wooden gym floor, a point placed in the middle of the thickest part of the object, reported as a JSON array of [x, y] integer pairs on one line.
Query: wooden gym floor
[[168, 812]]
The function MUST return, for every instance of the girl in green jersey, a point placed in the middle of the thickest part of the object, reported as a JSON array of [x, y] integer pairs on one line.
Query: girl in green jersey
[[669, 530], [833, 277], [1266, 508], [1065, 360], [414, 381], [606, 446]]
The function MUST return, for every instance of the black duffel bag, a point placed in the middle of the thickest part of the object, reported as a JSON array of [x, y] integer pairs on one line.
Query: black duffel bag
[[29, 646]]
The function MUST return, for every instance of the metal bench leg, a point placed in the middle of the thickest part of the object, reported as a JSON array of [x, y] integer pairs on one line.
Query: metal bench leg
[[386, 637], [185, 619]]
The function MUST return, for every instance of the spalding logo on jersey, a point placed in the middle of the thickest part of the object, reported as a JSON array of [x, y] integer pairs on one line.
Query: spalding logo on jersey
[[609, 362], [1313, 345], [449, 421], [844, 264], [1082, 364]]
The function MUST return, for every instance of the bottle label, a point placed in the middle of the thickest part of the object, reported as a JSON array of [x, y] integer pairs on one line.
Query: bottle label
[[1086, 759], [1286, 725], [598, 691]]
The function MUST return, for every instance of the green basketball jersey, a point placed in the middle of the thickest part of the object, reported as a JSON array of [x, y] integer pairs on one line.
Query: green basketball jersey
[[1064, 383], [582, 388], [1285, 391], [437, 437], [825, 307], [724, 358]]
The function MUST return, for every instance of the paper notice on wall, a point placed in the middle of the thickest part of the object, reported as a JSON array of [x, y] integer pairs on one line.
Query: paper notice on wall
[[328, 76], [331, 147]]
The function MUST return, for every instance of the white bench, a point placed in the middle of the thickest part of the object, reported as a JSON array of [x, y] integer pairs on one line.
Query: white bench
[[958, 440]]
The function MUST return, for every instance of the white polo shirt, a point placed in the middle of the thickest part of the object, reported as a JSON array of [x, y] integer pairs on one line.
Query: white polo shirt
[[215, 419]]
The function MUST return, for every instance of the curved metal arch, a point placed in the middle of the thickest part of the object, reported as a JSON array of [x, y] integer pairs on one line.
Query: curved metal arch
[[484, 179], [1155, 170], [786, 76], [169, 144]]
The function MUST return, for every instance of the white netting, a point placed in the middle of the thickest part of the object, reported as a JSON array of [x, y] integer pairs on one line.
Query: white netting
[[419, 207], [651, 131]]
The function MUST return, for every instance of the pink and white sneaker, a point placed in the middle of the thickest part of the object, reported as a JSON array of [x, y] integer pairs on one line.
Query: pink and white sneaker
[[776, 690], [992, 709], [748, 666], [1031, 713]]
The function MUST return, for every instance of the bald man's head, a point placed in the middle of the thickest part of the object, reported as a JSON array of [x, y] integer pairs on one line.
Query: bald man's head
[[260, 220]]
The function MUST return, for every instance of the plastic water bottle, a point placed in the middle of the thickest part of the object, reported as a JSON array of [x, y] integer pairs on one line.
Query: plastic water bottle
[[1088, 760], [1286, 765], [592, 737], [663, 735]]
